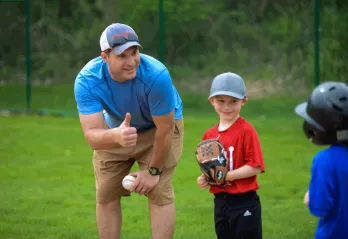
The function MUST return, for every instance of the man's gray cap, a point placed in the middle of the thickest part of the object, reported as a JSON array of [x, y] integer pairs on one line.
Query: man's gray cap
[[228, 84]]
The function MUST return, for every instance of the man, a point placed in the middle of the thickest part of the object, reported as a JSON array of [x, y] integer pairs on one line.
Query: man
[[130, 111]]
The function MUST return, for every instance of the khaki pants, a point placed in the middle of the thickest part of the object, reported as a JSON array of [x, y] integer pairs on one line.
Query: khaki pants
[[111, 166]]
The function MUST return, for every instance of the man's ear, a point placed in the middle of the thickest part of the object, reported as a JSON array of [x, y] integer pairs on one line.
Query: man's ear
[[104, 56], [211, 99], [245, 100]]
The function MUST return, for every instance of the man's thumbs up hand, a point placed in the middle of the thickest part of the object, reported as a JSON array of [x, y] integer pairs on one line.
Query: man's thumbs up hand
[[128, 135], [126, 122]]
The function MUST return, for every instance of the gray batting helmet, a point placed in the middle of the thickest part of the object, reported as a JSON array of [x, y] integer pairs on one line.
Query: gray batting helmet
[[326, 113]]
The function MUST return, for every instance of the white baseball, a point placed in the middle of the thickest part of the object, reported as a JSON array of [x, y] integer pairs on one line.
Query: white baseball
[[127, 181]]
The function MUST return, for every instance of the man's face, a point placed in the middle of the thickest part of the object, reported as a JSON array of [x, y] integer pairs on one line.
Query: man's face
[[123, 67]]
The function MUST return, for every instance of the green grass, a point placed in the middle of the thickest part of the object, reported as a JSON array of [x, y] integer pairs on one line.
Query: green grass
[[47, 181]]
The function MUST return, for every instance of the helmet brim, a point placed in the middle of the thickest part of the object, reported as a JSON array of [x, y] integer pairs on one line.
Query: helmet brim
[[301, 110]]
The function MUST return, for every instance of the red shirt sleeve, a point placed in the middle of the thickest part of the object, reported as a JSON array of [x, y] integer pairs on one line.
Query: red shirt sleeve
[[252, 147], [205, 135]]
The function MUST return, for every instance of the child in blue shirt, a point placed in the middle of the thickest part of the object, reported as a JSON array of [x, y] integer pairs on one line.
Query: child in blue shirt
[[326, 123]]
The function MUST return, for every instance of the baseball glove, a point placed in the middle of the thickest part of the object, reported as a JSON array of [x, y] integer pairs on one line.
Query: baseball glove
[[212, 161]]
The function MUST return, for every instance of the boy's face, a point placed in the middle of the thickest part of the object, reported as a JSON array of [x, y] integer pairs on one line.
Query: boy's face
[[227, 107]]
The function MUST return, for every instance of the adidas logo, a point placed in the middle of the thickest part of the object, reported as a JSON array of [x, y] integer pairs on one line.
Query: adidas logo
[[247, 213]]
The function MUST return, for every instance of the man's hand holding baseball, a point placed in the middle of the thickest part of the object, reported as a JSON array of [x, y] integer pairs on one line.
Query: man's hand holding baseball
[[144, 182], [127, 134]]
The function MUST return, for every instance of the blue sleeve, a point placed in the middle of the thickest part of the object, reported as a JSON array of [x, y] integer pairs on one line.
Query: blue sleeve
[[87, 103], [161, 95], [321, 188]]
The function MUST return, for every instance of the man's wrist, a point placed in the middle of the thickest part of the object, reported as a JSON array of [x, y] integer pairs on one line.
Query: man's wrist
[[154, 171], [109, 135]]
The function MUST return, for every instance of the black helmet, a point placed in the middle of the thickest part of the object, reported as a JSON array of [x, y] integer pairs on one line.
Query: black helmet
[[326, 114]]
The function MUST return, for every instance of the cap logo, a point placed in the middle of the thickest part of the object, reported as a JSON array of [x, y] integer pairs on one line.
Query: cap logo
[[122, 34]]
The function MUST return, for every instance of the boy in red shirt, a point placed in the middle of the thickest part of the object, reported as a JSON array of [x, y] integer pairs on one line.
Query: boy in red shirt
[[237, 207]]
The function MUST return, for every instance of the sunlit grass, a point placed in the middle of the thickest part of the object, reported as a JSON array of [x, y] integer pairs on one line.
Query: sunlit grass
[[47, 180]]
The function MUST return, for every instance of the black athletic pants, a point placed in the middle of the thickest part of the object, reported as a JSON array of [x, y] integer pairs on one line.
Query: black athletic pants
[[238, 216]]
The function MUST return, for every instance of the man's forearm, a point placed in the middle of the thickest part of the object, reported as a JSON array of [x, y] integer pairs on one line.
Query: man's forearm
[[101, 139], [161, 147], [242, 172]]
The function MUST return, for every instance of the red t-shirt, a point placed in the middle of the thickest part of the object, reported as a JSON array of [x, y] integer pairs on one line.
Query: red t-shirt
[[242, 147]]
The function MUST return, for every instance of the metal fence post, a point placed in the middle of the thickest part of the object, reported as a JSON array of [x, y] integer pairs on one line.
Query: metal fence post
[[161, 31], [28, 60], [316, 43]]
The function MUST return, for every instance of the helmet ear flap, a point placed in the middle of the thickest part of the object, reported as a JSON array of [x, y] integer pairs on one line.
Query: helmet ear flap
[[310, 131], [344, 120], [317, 136]]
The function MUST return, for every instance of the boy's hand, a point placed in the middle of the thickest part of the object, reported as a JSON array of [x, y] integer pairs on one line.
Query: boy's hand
[[202, 182], [306, 199], [212, 161]]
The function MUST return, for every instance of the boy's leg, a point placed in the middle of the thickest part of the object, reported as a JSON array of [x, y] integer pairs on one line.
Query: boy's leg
[[224, 219], [249, 222]]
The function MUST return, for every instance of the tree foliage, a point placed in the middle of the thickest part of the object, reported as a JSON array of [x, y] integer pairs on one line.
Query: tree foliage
[[263, 39]]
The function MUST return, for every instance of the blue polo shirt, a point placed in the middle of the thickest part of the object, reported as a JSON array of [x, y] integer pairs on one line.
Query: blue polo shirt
[[328, 192], [150, 93]]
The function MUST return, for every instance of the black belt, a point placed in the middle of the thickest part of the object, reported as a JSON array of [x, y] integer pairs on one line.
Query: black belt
[[238, 197]]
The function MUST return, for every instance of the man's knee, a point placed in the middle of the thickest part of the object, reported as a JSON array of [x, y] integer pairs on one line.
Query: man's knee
[[161, 196], [114, 205]]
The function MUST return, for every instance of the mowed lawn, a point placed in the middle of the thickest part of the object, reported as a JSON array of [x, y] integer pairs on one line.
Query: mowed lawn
[[47, 181]]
